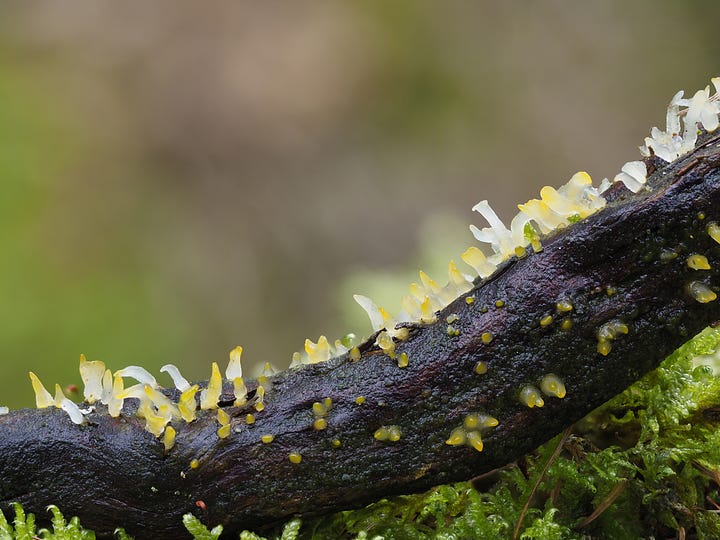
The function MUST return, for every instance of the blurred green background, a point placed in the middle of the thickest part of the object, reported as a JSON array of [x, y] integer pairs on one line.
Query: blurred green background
[[181, 177]]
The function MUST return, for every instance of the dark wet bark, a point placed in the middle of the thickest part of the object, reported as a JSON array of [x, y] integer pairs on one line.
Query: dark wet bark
[[627, 263]]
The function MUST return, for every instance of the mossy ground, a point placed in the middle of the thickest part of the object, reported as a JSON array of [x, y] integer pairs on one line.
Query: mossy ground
[[644, 465]]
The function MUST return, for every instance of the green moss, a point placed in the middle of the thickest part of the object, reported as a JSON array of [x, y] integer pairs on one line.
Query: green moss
[[645, 464]]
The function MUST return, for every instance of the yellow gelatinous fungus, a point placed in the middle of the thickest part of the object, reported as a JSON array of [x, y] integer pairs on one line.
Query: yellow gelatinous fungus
[[386, 343], [475, 258], [403, 360], [700, 292], [530, 396], [43, 398], [179, 381], [388, 433], [457, 437], [209, 396], [260, 398], [317, 352], [169, 438], [187, 405], [713, 229], [474, 439], [239, 391], [92, 374], [234, 368], [479, 421], [552, 385], [698, 262], [607, 333], [452, 331], [223, 418]]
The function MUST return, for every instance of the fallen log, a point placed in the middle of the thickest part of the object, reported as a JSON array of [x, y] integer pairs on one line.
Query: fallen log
[[548, 337]]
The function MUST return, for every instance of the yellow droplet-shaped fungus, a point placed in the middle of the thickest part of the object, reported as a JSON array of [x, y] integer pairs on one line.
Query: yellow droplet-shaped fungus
[[531, 397], [713, 229], [700, 292], [552, 385], [169, 438], [698, 262], [457, 437], [388, 433], [403, 360], [475, 440]]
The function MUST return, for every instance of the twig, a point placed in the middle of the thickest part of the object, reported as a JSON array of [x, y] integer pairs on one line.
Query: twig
[[614, 493], [540, 478]]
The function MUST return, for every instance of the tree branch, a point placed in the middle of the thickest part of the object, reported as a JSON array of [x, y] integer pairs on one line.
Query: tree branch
[[625, 265]]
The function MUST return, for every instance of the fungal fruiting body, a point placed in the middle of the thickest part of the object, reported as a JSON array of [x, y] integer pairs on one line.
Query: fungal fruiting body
[[530, 396], [551, 385], [43, 398], [700, 292], [320, 411], [169, 438], [556, 208], [91, 374], [713, 230], [223, 420], [209, 396], [179, 381], [388, 433], [403, 360], [607, 333], [470, 432], [698, 262]]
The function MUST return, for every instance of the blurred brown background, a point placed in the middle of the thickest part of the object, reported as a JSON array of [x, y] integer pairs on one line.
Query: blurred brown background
[[181, 177]]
